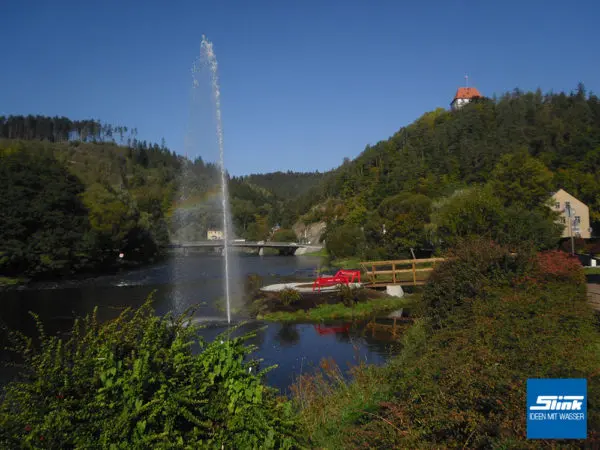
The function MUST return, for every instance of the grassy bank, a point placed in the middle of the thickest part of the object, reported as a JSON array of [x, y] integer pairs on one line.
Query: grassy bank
[[323, 253], [592, 270], [460, 379], [340, 263], [339, 311]]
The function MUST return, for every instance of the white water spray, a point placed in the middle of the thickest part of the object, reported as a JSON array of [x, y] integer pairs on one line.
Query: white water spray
[[208, 55]]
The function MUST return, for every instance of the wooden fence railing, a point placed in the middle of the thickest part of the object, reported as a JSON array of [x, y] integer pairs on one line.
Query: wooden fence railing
[[402, 272]]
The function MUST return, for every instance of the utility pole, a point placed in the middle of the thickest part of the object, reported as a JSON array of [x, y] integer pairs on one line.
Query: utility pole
[[570, 213]]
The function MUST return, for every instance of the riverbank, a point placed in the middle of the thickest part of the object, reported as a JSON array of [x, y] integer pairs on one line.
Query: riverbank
[[335, 263], [7, 283], [292, 302], [339, 311]]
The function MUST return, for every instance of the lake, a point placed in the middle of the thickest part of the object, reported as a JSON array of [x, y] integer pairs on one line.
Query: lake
[[182, 281]]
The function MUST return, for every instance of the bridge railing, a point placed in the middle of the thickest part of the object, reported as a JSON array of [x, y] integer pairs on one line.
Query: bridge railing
[[234, 243]]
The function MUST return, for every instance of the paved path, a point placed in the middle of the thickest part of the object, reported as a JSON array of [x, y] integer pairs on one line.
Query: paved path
[[301, 287], [593, 292]]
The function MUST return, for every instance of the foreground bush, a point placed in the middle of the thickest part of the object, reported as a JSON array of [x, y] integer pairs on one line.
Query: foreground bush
[[474, 266], [558, 266], [460, 379], [136, 383]]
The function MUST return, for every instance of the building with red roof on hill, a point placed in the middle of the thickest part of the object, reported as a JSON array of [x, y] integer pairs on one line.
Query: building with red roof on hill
[[463, 96]]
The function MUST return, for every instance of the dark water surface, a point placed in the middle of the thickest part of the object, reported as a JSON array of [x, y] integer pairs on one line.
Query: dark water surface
[[183, 281]]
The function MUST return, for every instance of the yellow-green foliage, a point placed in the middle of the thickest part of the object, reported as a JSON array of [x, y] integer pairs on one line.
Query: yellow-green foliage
[[142, 381], [111, 212]]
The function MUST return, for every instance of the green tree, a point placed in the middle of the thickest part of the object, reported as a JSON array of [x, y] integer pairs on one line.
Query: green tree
[[344, 240], [113, 215], [521, 227], [259, 229], [479, 212], [471, 212], [42, 219], [400, 235], [243, 212], [519, 179], [284, 235], [406, 203]]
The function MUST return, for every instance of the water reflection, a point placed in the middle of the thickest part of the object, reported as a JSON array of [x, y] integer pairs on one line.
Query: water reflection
[[288, 335], [197, 279]]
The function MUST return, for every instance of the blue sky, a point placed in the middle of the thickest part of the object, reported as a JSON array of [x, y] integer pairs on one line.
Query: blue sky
[[304, 83]]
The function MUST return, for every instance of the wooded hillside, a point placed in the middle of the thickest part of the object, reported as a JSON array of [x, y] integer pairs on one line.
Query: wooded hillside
[[76, 194], [445, 151]]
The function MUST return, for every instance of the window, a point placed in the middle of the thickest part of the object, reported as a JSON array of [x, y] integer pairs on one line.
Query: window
[[577, 220], [557, 205], [568, 209], [562, 220]]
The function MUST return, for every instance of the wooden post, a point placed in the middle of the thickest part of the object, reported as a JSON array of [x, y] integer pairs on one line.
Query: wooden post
[[394, 328], [394, 273], [414, 267], [373, 274]]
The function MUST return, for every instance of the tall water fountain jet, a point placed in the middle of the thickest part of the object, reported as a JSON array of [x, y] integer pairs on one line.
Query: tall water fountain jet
[[202, 203], [208, 55]]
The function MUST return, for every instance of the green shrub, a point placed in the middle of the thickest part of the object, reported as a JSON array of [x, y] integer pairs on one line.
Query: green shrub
[[350, 295], [467, 385], [328, 404], [474, 264], [253, 284], [289, 296], [463, 384], [136, 383], [258, 306], [559, 266]]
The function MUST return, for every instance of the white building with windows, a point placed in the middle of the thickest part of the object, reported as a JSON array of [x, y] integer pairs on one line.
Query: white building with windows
[[214, 235], [575, 210], [463, 96]]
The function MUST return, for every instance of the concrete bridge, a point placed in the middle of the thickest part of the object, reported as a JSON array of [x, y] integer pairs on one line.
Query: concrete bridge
[[284, 248]]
